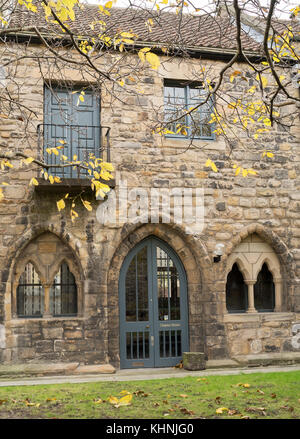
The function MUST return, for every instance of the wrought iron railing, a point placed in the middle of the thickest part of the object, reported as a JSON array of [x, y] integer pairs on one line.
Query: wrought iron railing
[[76, 142]]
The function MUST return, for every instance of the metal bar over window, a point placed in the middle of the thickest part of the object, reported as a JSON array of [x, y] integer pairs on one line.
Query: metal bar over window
[[82, 141]]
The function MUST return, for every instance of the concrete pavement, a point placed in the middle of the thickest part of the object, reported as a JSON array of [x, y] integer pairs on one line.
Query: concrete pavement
[[141, 374]]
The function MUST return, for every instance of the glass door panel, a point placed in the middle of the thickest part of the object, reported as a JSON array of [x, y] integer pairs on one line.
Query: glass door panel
[[153, 307]]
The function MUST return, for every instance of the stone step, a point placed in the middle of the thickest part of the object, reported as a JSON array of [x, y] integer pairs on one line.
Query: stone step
[[270, 359], [46, 369]]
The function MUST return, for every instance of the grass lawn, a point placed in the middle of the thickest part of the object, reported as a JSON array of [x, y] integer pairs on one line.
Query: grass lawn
[[254, 396]]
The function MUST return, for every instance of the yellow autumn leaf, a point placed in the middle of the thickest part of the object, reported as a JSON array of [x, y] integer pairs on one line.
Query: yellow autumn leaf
[[34, 182], [234, 74], [51, 179], [28, 160], [142, 52], [153, 60], [127, 34], [212, 165], [74, 215], [87, 205], [113, 400], [238, 170], [270, 154], [1, 194], [252, 172], [220, 410], [246, 385], [108, 5], [263, 79], [61, 204], [98, 401], [267, 121], [245, 172], [125, 400]]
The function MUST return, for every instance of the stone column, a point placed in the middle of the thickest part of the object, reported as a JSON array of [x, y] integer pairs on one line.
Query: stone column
[[250, 284], [278, 294], [47, 302], [13, 304]]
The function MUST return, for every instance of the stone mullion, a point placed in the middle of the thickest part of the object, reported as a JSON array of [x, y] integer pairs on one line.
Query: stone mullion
[[251, 307], [47, 302], [278, 294]]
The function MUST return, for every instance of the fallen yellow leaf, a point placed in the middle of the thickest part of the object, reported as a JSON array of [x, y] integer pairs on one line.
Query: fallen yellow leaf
[[220, 410]]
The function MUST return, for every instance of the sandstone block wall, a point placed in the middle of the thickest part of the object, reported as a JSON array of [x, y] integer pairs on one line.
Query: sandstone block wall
[[234, 207]]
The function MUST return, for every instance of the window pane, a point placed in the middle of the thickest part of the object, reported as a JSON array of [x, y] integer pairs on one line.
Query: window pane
[[168, 289], [63, 292], [175, 105], [264, 290], [30, 293], [136, 286], [236, 291], [179, 99]]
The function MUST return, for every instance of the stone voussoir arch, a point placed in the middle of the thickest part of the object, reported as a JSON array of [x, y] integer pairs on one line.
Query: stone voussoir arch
[[193, 255], [280, 248], [33, 233], [15, 253]]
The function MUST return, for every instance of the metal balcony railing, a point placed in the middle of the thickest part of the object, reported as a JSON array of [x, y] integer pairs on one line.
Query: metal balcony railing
[[74, 140]]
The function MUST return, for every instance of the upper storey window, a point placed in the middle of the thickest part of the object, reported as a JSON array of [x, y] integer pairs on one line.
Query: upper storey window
[[72, 123], [179, 98]]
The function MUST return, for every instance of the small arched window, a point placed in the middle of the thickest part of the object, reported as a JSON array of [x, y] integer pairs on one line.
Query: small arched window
[[30, 293], [236, 291], [264, 290], [63, 293]]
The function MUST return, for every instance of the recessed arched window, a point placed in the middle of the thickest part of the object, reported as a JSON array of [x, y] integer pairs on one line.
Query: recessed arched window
[[236, 291], [264, 290], [30, 293], [63, 292]]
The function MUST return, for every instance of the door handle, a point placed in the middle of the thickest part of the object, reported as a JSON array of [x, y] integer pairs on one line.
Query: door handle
[[147, 326]]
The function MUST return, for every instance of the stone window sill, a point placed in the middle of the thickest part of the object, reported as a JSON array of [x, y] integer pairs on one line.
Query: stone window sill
[[173, 142], [257, 317], [44, 319]]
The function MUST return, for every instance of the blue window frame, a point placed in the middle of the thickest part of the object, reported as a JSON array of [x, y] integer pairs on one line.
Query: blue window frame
[[180, 97]]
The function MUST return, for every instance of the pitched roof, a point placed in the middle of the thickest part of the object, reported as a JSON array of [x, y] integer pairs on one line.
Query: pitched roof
[[184, 30]]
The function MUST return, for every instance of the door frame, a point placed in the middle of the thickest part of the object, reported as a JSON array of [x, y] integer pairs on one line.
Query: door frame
[[154, 355]]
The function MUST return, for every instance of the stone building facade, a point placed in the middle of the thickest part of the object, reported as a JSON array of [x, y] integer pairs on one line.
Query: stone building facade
[[255, 218]]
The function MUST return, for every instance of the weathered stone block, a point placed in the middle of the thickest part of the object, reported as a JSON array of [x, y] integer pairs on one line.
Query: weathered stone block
[[95, 369], [193, 360]]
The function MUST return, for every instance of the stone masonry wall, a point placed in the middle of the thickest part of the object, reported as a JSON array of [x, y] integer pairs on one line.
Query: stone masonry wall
[[235, 207]]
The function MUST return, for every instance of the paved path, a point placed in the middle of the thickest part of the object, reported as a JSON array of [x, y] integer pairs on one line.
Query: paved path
[[140, 374]]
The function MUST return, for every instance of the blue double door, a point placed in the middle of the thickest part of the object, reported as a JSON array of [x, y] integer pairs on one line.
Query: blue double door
[[153, 307], [73, 125]]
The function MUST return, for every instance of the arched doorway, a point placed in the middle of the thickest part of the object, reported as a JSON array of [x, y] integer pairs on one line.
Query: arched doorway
[[153, 306]]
